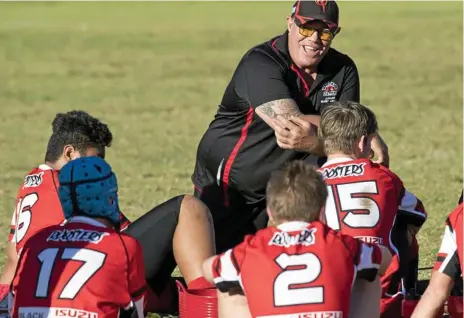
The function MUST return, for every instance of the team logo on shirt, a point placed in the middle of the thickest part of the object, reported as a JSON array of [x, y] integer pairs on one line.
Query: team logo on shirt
[[33, 180], [342, 171], [78, 235], [329, 92], [329, 89], [305, 238]]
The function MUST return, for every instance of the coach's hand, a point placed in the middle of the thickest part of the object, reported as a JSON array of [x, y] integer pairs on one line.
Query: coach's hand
[[380, 150], [295, 133]]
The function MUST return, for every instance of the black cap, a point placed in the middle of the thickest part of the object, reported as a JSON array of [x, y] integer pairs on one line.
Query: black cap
[[309, 10]]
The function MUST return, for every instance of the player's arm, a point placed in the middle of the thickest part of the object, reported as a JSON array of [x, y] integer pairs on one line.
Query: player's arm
[[11, 258], [411, 212], [370, 260], [386, 259], [137, 282], [261, 82], [434, 297], [224, 270], [446, 271], [10, 265]]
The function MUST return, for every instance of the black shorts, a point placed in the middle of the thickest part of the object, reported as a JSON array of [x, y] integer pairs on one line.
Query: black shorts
[[155, 231], [233, 222]]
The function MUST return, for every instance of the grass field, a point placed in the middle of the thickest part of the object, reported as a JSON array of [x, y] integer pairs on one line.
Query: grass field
[[155, 71]]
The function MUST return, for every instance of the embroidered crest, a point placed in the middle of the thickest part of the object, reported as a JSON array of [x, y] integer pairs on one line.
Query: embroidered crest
[[321, 3]]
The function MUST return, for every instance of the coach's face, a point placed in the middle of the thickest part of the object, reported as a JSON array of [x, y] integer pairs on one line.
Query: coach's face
[[308, 43]]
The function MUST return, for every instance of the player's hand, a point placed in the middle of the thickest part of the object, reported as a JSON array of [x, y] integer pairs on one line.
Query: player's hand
[[380, 150], [294, 133]]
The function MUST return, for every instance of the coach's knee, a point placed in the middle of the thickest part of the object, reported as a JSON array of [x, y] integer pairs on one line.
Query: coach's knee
[[192, 207]]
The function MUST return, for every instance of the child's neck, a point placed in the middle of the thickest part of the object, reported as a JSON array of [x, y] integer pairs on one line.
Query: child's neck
[[341, 155]]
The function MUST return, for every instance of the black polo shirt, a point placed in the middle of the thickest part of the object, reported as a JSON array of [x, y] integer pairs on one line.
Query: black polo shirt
[[239, 150]]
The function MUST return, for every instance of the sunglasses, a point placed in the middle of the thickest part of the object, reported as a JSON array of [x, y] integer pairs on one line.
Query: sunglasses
[[324, 34]]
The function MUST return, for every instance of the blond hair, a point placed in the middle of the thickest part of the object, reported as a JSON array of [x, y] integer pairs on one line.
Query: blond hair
[[296, 192], [342, 124]]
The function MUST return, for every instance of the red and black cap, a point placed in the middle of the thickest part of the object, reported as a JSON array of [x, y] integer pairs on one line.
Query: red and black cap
[[308, 10]]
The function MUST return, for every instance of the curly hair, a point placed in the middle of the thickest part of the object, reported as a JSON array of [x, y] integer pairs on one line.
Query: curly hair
[[79, 129]]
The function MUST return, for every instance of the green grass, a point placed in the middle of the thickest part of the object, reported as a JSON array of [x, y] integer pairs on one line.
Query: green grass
[[155, 71]]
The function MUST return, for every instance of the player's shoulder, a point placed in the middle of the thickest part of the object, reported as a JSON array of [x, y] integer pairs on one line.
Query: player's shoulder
[[43, 236], [40, 176], [335, 239], [386, 171], [130, 243], [455, 217]]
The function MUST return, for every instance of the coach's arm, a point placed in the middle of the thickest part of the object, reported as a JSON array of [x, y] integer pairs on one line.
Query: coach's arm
[[260, 82]]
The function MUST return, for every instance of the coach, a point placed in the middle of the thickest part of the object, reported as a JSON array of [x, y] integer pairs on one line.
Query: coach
[[268, 116]]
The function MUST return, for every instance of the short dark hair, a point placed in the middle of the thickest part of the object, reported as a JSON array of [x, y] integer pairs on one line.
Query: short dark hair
[[296, 192], [79, 129]]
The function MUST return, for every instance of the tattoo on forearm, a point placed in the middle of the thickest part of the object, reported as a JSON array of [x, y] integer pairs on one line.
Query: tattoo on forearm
[[283, 107]]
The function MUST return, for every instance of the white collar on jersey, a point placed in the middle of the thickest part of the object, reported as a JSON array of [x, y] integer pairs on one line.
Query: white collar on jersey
[[337, 160], [44, 167], [86, 220], [292, 226]]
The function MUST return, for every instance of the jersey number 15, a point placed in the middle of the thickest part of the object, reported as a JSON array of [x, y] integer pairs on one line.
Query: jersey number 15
[[352, 198]]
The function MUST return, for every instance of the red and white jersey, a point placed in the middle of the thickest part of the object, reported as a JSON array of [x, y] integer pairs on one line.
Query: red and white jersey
[[297, 270], [38, 205], [365, 198], [79, 269], [449, 258]]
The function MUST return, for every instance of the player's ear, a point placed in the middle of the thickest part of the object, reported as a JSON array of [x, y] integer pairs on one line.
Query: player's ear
[[361, 145], [70, 153], [269, 213], [322, 215]]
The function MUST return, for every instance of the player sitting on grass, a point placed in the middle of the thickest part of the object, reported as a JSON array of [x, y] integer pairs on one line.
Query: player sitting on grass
[[176, 232], [367, 200], [447, 270], [299, 266], [86, 267]]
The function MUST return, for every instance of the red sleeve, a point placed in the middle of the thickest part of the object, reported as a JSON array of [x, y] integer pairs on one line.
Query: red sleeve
[[448, 261], [137, 282], [366, 257], [124, 221], [13, 219], [227, 266], [410, 209]]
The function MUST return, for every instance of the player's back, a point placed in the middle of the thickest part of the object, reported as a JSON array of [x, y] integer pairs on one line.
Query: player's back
[[363, 199], [80, 269], [296, 269], [37, 205]]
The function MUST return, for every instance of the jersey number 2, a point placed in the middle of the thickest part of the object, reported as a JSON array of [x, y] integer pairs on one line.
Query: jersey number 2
[[285, 291], [351, 197], [91, 260]]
